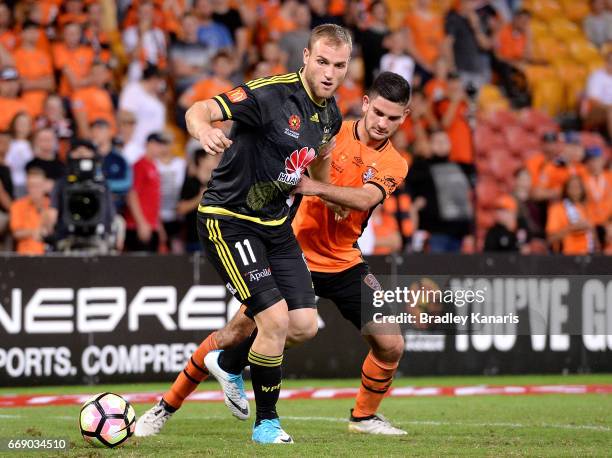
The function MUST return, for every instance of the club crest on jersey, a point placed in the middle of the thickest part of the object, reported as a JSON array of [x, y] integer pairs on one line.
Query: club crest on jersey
[[236, 95], [294, 122], [295, 165], [368, 174]]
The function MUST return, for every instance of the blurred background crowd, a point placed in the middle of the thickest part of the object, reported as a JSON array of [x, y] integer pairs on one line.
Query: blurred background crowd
[[508, 138]]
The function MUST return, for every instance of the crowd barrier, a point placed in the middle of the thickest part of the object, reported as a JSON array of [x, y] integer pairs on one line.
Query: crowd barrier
[[137, 318]]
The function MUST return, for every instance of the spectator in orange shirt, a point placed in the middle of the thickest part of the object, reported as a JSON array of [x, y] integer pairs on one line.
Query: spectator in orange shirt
[[217, 83], [424, 37], [556, 172], [8, 39], [95, 35], [598, 190], [72, 11], [511, 53], [551, 147], [568, 229], [26, 218], [387, 237], [273, 55], [10, 101], [435, 89], [93, 101], [72, 59], [35, 69], [453, 115]]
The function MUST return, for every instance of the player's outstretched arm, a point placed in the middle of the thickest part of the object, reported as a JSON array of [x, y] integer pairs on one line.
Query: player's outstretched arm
[[199, 120], [361, 199]]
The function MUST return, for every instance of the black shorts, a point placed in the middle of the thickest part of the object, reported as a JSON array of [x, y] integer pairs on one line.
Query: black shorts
[[259, 264], [349, 290]]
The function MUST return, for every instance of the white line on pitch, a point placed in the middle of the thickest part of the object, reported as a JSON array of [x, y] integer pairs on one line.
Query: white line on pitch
[[414, 422]]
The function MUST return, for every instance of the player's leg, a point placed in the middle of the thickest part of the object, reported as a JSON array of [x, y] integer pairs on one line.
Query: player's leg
[[242, 247], [377, 373], [351, 290], [236, 331]]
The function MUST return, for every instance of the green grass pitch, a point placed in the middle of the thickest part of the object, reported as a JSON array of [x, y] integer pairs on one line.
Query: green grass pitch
[[542, 425]]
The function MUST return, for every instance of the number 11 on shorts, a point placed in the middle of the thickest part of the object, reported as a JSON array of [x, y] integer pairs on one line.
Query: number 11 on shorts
[[242, 252]]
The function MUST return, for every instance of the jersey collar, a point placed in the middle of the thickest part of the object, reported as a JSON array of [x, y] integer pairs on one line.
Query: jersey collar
[[356, 136], [307, 89]]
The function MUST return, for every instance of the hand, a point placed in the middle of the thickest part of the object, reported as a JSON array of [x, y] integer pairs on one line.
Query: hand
[[340, 212], [325, 150], [306, 187], [213, 140], [581, 225], [144, 232], [419, 203]]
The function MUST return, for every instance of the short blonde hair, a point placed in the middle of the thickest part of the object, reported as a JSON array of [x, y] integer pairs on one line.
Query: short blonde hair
[[331, 32]]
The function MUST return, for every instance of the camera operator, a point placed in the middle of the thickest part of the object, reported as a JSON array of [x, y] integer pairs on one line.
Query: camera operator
[[81, 214]]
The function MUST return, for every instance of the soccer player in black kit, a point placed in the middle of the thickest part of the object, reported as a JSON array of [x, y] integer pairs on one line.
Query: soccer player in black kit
[[281, 125]]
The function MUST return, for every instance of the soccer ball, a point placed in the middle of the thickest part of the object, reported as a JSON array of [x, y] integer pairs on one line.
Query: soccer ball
[[107, 420]]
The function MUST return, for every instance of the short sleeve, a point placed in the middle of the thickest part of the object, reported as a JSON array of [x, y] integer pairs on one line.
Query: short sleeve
[[389, 177], [243, 105]]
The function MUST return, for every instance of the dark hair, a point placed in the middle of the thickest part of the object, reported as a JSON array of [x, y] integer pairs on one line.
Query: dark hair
[[152, 71], [392, 87], [13, 124], [582, 189]]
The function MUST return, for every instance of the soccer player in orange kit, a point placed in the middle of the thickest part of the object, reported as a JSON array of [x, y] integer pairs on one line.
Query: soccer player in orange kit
[[364, 170]]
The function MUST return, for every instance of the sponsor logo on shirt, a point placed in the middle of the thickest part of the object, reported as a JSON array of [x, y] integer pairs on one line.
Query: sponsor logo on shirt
[[256, 275], [295, 165], [236, 95], [368, 174], [315, 117]]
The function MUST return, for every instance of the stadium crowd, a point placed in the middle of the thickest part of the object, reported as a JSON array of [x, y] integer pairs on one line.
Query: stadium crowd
[[508, 139]]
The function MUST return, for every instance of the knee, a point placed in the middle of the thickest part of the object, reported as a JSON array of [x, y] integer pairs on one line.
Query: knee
[[274, 326], [303, 332], [391, 350]]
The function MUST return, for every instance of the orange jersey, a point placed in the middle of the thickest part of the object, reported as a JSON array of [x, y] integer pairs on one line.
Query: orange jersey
[[10, 107], [599, 198], [33, 64], [511, 44], [207, 88], [95, 102], [78, 61], [329, 245], [574, 243], [427, 34], [25, 215]]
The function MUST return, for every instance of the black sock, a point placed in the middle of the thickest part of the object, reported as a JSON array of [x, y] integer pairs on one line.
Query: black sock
[[266, 375], [167, 407], [234, 360]]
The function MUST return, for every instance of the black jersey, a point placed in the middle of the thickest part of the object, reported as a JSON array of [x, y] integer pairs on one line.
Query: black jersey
[[277, 132]]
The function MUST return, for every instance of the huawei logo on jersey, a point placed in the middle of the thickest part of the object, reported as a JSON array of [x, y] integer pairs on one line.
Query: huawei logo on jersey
[[295, 165]]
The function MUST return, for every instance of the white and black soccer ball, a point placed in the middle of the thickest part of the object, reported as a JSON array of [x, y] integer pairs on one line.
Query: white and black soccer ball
[[107, 420]]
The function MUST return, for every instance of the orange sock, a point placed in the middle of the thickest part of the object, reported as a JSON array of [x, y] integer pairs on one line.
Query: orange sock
[[194, 372], [376, 378]]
